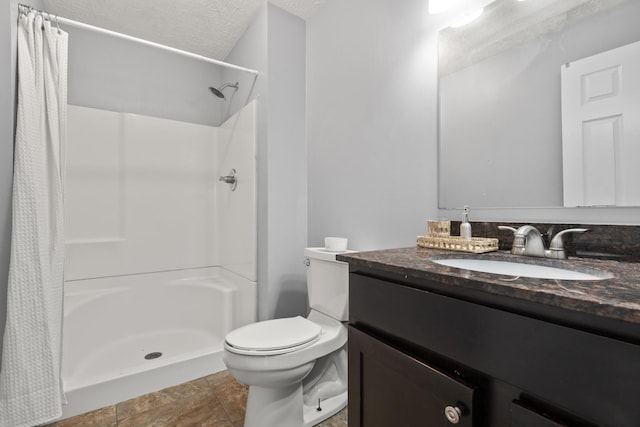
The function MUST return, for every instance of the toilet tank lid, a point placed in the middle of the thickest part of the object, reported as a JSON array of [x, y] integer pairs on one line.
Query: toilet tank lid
[[323, 254], [274, 334]]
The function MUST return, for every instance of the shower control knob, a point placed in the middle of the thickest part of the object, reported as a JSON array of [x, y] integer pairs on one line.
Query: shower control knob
[[230, 179], [452, 414]]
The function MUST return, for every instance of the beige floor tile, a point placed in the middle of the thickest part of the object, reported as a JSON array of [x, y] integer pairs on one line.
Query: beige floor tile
[[338, 420], [202, 383], [194, 389], [142, 404], [209, 413], [105, 417], [217, 400], [233, 397], [219, 378], [201, 411]]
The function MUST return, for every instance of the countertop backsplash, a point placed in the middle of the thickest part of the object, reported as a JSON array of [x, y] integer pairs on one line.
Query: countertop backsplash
[[612, 242]]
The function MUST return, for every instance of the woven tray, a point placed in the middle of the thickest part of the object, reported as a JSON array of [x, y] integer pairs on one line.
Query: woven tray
[[476, 245]]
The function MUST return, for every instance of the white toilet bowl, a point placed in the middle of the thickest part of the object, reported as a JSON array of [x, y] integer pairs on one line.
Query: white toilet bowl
[[290, 364]]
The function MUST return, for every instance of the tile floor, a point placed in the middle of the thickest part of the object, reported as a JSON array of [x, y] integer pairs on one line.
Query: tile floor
[[217, 401]]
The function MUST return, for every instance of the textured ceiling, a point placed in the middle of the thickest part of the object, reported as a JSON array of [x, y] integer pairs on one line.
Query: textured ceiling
[[206, 27], [302, 8]]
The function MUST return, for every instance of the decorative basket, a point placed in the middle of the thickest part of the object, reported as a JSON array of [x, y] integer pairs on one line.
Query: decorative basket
[[476, 245]]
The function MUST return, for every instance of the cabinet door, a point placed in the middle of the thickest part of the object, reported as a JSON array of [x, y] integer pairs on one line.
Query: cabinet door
[[522, 416], [390, 388]]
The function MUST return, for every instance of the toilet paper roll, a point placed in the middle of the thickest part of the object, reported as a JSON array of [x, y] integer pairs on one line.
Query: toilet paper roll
[[335, 244]]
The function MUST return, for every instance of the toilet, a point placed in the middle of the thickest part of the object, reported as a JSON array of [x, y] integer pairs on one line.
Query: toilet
[[296, 367]]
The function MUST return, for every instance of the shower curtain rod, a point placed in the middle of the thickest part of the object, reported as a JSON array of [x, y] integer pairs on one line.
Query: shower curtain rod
[[84, 26]]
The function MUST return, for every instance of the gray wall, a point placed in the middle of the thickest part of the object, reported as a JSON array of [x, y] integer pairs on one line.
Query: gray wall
[[371, 122], [274, 45], [372, 128], [251, 52], [115, 74], [500, 118], [287, 168]]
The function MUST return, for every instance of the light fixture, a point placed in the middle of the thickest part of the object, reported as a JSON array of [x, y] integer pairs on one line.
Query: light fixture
[[468, 18], [439, 6]]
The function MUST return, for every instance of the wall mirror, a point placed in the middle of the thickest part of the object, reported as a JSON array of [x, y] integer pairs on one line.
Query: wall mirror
[[501, 105]]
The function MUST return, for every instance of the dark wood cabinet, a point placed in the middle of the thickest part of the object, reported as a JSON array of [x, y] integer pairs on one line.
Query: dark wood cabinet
[[413, 352], [521, 416], [383, 377]]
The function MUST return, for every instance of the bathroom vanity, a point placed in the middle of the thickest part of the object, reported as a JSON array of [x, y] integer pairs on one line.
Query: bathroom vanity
[[436, 345]]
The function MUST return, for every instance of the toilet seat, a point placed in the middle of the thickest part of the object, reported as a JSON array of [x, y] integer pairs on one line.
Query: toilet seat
[[271, 337]]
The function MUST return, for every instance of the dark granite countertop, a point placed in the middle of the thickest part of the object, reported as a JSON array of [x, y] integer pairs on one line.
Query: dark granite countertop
[[616, 298]]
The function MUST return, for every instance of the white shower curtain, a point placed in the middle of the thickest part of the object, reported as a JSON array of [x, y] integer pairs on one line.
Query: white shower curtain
[[30, 386]]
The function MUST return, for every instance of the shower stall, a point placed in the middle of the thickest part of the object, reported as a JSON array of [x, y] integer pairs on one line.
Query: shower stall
[[160, 252]]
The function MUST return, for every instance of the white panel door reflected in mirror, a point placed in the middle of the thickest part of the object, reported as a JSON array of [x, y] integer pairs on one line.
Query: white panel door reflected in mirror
[[601, 129]]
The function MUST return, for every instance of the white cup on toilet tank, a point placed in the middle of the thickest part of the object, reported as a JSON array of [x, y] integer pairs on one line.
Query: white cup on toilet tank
[[335, 244]]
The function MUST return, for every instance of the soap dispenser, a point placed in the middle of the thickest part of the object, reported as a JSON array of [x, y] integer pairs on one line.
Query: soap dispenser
[[465, 226]]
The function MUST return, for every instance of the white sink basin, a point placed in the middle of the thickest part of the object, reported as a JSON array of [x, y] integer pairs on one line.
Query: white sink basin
[[508, 268]]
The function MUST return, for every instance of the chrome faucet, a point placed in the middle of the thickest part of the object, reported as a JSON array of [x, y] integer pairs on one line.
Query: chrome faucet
[[527, 241]]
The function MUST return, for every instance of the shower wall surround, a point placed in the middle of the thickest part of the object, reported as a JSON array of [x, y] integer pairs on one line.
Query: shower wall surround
[[153, 235], [143, 194]]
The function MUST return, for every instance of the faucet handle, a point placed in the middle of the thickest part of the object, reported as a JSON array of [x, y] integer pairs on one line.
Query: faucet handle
[[517, 247], [556, 242], [556, 247]]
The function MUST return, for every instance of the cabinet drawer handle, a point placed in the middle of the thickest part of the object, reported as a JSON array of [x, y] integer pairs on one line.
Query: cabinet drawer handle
[[452, 413]]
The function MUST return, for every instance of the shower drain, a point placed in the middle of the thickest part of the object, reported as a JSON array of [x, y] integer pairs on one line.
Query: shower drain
[[153, 355]]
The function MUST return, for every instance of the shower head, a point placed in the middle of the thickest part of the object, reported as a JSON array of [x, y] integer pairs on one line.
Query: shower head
[[218, 91]]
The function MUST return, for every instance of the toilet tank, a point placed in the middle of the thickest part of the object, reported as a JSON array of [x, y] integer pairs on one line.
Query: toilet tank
[[327, 283]]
